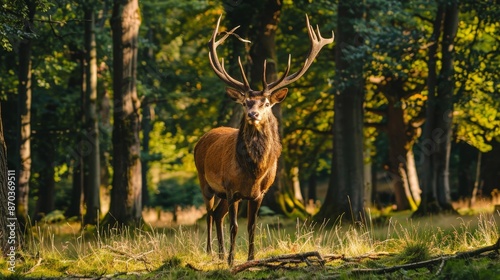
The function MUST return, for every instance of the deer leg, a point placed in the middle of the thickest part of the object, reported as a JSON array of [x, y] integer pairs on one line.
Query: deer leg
[[253, 209], [233, 220], [209, 203], [219, 214]]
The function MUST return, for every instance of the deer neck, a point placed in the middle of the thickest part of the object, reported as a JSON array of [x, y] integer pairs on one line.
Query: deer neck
[[258, 147]]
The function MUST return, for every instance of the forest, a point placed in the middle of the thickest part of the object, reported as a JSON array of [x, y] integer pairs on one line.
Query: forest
[[103, 102]]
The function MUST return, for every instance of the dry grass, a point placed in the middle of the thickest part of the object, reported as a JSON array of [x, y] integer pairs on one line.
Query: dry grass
[[63, 250]]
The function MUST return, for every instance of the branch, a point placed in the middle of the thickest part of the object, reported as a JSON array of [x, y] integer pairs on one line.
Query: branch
[[377, 111], [281, 261], [432, 262]]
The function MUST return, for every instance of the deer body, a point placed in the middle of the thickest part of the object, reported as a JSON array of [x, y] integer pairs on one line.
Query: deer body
[[247, 152], [235, 164]]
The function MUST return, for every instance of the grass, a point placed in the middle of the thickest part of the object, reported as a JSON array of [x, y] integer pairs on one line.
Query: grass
[[63, 250]]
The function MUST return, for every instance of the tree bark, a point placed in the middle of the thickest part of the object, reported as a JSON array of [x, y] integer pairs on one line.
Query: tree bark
[[444, 113], [24, 95], [46, 186], [78, 172], [92, 160], [125, 207], [345, 192], [436, 138], [3, 191], [398, 140]]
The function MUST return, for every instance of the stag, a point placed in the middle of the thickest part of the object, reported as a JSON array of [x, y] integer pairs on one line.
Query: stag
[[235, 164]]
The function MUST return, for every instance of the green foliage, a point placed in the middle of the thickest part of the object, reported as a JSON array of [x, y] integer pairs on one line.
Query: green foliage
[[14, 18], [477, 58], [462, 269], [175, 192], [187, 99]]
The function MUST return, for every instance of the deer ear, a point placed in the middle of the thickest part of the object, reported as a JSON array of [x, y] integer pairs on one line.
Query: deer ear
[[235, 95], [278, 96]]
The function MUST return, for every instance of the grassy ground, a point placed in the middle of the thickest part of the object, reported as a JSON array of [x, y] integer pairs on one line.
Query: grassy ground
[[178, 252]]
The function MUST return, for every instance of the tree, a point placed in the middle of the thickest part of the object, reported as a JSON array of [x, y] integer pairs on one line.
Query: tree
[[439, 115], [125, 207], [3, 189], [24, 137], [280, 197], [396, 79], [92, 160], [345, 192]]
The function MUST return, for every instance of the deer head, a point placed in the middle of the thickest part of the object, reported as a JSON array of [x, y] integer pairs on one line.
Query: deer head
[[257, 103]]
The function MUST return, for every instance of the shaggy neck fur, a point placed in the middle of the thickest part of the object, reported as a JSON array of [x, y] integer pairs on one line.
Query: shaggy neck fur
[[258, 146]]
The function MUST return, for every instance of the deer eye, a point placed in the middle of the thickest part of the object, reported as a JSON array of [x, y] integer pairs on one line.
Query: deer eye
[[267, 104]]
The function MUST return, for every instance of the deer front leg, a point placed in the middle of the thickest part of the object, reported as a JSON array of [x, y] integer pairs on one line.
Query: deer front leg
[[233, 221], [219, 214], [253, 209], [209, 203]]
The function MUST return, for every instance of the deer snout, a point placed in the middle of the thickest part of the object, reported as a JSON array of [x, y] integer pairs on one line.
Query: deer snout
[[253, 115]]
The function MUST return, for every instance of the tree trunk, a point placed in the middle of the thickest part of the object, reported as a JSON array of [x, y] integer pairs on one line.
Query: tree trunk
[[76, 199], [24, 95], [398, 141], [46, 185], [490, 173], [237, 15], [312, 184], [345, 192], [74, 209], [411, 172], [444, 112], [436, 143], [368, 182], [92, 160], [5, 187], [125, 207], [280, 198], [476, 180], [146, 130]]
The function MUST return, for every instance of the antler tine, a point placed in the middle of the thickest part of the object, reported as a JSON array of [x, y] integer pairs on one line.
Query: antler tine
[[264, 78], [216, 65], [268, 88], [245, 80], [317, 43]]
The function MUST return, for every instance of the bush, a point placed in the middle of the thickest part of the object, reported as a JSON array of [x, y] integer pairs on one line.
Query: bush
[[176, 192]]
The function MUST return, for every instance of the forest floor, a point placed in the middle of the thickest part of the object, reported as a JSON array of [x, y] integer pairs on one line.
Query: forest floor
[[388, 247]]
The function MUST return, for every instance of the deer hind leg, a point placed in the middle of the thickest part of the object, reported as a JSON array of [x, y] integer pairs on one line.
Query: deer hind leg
[[253, 209], [233, 221], [219, 214]]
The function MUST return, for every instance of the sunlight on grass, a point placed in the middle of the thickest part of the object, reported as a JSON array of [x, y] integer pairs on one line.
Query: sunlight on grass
[[65, 250]]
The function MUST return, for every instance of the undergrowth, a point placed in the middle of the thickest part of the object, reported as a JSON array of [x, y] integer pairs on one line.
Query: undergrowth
[[63, 250]]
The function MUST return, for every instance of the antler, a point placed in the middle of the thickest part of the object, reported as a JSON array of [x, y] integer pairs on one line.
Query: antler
[[219, 68], [317, 42]]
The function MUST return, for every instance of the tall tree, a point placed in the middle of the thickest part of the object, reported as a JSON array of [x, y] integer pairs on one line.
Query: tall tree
[[345, 192], [439, 114], [92, 160], [125, 207], [3, 189], [24, 137], [280, 198]]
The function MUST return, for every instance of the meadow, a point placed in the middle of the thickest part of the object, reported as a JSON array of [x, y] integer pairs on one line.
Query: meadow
[[381, 247]]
